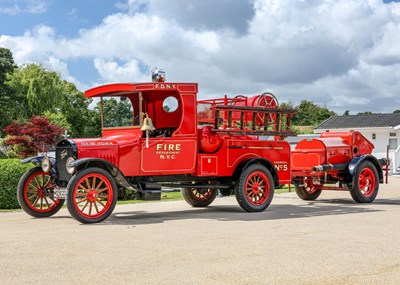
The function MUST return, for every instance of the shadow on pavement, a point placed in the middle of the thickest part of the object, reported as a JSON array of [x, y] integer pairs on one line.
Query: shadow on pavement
[[235, 213]]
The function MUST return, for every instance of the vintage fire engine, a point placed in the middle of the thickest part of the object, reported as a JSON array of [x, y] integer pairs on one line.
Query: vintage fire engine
[[169, 139]]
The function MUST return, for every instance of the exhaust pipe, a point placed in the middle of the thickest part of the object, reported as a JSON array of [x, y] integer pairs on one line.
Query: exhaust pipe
[[329, 167]]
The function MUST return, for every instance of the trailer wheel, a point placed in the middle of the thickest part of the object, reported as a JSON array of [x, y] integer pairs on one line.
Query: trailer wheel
[[255, 189], [34, 194], [307, 192], [365, 184], [92, 195], [199, 197]]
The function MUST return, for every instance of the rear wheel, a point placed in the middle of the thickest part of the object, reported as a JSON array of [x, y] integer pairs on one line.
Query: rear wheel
[[92, 195], [35, 194], [199, 197], [255, 189], [308, 191], [365, 183]]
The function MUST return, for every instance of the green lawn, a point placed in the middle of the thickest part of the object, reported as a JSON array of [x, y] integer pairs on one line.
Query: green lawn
[[173, 196]]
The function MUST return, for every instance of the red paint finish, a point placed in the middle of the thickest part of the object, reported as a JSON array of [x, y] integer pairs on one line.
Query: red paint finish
[[92, 195], [34, 193], [367, 182], [258, 188]]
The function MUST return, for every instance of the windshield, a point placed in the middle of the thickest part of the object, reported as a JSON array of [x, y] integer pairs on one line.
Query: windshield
[[119, 112]]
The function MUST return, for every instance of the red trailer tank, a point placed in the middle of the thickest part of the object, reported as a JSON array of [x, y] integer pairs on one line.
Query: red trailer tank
[[341, 158]]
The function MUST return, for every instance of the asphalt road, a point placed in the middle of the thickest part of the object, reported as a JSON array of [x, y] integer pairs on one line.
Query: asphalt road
[[328, 241]]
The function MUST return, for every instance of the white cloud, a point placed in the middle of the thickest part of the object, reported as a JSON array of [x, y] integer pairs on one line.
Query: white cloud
[[342, 54], [14, 7]]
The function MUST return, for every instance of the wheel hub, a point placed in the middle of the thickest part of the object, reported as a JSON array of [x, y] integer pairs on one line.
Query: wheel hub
[[41, 192], [92, 195], [256, 188]]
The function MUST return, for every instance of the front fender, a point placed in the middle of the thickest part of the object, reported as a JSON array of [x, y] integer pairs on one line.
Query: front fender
[[355, 162], [242, 165], [37, 159], [120, 178]]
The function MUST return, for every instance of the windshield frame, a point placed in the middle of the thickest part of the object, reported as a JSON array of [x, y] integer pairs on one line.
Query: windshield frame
[[128, 96]]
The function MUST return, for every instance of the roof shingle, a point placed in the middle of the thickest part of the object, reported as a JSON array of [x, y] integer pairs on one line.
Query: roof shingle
[[361, 121]]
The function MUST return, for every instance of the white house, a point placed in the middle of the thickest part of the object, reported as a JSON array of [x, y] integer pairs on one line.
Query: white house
[[381, 129]]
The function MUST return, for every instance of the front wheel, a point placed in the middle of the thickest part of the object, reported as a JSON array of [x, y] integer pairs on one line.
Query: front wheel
[[255, 189], [199, 197], [92, 195], [35, 193], [365, 184]]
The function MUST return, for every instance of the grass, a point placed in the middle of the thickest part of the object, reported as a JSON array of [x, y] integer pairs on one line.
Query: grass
[[175, 196]]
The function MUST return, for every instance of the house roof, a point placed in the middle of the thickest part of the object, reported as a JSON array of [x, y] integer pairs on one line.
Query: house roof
[[361, 121]]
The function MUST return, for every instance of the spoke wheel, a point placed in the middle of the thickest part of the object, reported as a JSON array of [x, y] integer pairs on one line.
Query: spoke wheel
[[255, 189], [365, 184], [199, 197], [35, 194], [92, 195], [266, 100], [309, 191]]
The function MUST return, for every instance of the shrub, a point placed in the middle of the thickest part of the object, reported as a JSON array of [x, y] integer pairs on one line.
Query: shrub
[[11, 171]]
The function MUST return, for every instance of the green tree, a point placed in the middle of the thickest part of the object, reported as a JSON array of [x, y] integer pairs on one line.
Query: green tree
[[40, 91], [57, 118], [75, 108], [397, 111], [365, 113], [7, 67], [40, 88], [117, 113], [346, 113], [288, 105], [309, 114]]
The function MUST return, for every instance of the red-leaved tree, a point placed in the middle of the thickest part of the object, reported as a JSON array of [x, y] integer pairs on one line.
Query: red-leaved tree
[[27, 139]]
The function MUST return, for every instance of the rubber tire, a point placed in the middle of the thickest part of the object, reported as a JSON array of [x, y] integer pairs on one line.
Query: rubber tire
[[354, 188], [21, 199], [190, 198], [240, 189], [70, 198], [303, 194]]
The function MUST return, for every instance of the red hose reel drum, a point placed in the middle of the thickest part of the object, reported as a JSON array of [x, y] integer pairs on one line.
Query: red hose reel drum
[[265, 100]]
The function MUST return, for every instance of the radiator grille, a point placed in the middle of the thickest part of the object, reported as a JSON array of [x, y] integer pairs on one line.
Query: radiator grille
[[64, 150]]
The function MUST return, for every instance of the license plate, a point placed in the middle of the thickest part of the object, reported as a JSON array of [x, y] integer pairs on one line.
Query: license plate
[[60, 192]]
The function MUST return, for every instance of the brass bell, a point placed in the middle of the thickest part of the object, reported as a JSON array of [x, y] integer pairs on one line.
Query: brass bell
[[147, 125]]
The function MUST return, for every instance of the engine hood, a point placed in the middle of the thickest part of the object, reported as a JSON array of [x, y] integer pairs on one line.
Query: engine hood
[[110, 148]]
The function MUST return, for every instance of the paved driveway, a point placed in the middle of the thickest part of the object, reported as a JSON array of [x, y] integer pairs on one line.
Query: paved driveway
[[329, 241]]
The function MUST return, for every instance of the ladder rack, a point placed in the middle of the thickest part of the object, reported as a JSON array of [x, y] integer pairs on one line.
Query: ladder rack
[[235, 117]]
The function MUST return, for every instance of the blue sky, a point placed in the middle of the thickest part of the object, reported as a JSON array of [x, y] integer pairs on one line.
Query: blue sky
[[341, 54]]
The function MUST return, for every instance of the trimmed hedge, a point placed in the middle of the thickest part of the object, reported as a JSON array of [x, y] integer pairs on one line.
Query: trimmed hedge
[[11, 171]]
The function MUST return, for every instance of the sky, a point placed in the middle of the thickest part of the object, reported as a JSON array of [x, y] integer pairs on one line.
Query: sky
[[340, 54]]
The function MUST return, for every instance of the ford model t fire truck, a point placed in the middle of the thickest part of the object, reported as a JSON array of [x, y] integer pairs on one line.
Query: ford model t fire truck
[[169, 139]]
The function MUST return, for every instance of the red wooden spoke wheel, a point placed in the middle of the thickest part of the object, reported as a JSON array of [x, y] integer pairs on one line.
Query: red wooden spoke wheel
[[199, 197], [255, 188], [35, 194], [308, 191], [92, 195], [365, 184]]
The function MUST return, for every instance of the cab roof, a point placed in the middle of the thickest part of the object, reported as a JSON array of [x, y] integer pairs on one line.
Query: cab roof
[[120, 89]]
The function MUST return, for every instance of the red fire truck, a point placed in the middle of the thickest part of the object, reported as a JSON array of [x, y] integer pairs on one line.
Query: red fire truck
[[169, 139]]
